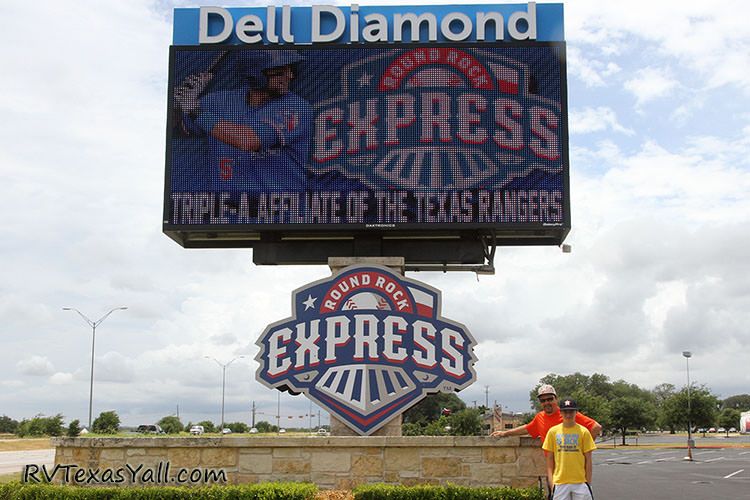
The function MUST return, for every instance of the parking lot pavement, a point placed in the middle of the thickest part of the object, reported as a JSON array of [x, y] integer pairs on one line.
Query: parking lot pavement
[[663, 474], [13, 461]]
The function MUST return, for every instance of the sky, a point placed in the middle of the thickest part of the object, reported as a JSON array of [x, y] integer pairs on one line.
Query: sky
[[659, 102]]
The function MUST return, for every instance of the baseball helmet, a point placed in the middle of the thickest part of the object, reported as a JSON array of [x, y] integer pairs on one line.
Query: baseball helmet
[[254, 63]]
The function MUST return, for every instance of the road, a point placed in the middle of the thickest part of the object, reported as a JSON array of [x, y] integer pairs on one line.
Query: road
[[663, 474], [13, 461]]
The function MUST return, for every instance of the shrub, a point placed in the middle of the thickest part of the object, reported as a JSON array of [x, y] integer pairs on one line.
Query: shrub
[[41, 426], [237, 427], [267, 491], [108, 422], [170, 424], [448, 492], [74, 428]]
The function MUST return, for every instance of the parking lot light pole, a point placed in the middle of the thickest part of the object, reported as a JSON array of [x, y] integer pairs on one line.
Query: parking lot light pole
[[687, 355], [223, 383], [93, 325]]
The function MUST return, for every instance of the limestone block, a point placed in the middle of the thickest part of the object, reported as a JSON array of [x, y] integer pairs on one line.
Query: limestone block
[[324, 480], [290, 466], [499, 455], [391, 477], [367, 465], [402, 459], [255, 451], [531, 462], [486, 474], [218, 457], [112, 454], [441, 467], [184, 457], [85, 455], [255, 464], [135, 452], [287, 453], [330, 461], [247, 478]]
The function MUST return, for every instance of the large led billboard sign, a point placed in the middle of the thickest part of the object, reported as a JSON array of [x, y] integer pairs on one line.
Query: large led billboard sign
[[281, 140], [369, 137]]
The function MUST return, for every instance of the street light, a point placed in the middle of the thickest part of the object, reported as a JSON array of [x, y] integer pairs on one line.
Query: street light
[[93, 325], [223, 383], [687, 355]]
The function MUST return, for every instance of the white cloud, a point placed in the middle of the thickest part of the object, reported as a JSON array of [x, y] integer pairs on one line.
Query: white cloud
[[597, 119], [649, 84], [592, 72], [61, 378], [37, 366]]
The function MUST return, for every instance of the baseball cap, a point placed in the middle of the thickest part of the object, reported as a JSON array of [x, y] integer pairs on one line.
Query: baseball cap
[[546, 389], [568, 404]]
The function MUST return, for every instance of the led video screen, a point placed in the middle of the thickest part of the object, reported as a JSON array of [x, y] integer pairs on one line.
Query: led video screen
[[418, 137]]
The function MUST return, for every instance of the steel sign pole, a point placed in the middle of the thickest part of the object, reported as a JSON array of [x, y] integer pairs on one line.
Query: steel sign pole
[[223, 383], [93, 325], [687, 355]]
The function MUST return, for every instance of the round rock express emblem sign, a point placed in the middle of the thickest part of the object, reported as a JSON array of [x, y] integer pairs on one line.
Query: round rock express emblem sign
[[366, 344]]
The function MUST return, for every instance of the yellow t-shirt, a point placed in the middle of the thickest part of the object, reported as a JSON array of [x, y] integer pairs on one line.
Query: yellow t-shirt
[[568, 445]]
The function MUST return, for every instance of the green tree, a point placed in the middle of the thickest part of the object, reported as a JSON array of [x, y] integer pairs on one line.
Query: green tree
[[208, 426], [439, 427], [170, 424], [264, 426], [238, 427], [41, 426], [411, 429], [466, 422], [729, 417], [108, 422], [74, 428], [703, 408], [430, 408], [738, 402], [631, 413], [8, 425]]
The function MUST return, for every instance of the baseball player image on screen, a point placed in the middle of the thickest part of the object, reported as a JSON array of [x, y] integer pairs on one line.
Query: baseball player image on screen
[[258, 136]]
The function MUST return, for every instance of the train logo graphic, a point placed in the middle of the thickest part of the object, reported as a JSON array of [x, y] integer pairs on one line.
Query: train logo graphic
[[366, 345]]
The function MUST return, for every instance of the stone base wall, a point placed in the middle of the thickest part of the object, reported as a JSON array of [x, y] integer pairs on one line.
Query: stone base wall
[[329, 462]]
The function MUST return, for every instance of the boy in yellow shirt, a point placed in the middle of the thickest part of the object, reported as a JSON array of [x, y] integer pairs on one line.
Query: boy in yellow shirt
[[569, 446]]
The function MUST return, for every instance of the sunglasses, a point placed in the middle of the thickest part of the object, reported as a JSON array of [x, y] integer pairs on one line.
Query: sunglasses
[[546, 400]]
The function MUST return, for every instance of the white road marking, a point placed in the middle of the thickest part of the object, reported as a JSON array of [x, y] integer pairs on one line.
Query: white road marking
[[665, 459], [744, 452], [644, 462], [715, 459], [704, 452], [734, 473], [665, 453]]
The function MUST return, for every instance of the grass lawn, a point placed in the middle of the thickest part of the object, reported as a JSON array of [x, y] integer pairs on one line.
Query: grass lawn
[[22, 444]]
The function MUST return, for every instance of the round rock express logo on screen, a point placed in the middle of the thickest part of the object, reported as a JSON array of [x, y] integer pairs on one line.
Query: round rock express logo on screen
[[440, 117], [366, 344]]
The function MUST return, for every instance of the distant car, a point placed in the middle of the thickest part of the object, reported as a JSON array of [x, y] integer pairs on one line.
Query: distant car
[[732, 429], [226, 430], [253, 430], [712, 429], [282, 431], [322, 432], [721, 429], [702, 429], [197, 430], [149, 429]]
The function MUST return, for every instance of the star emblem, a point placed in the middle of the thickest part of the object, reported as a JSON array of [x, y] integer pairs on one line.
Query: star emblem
[[364, 80], [310, 302]]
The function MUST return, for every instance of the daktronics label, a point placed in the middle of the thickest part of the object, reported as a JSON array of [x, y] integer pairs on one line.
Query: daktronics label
[[443, 118], [366, 345]]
